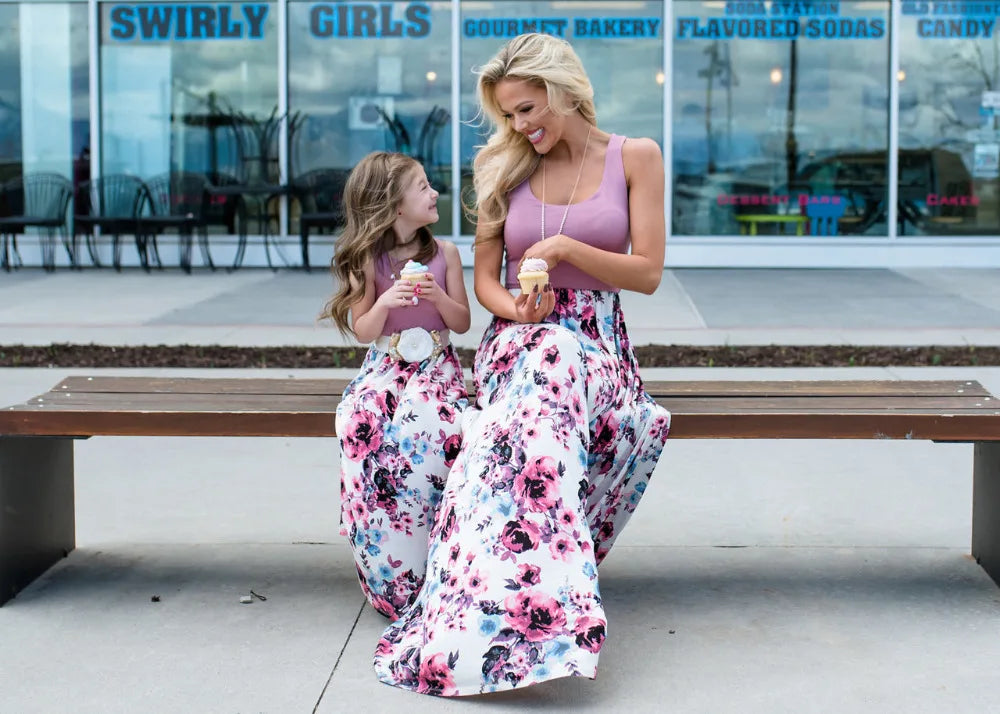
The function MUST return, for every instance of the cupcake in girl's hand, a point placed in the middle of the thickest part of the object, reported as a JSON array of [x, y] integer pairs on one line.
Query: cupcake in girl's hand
[[413, 271], [534, 271]]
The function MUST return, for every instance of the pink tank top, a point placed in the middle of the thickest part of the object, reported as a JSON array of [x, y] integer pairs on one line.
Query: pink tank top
[[601, 221], [423, 314]]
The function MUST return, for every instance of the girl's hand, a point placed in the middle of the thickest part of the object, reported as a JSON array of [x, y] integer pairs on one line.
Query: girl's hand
[[552, 250], [399, 295], [428, 289], [531, 309]]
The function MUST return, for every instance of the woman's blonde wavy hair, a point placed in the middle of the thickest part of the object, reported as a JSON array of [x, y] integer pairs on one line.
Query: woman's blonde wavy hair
[[508, 158], [372, 196]]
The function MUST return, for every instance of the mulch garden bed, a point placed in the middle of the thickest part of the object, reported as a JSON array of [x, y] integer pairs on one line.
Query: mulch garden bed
[[73, 355]]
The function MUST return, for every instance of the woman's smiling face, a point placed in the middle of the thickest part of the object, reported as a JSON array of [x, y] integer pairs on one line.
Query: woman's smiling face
[[526, 107]]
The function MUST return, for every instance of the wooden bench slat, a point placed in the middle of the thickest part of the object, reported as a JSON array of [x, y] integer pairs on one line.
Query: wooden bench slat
[[957, 427], [682, 405], [656, 388], [940, 410]]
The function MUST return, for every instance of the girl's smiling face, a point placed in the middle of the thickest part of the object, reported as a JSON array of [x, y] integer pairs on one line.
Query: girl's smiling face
[[419, 205]]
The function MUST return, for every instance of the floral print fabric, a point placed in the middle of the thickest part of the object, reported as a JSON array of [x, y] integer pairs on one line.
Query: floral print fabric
[[555, 457], [399, 430]]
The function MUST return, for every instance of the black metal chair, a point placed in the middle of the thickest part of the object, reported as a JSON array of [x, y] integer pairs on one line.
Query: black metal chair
[[112, 204], [178, 201], [37, 200], [320, 193]]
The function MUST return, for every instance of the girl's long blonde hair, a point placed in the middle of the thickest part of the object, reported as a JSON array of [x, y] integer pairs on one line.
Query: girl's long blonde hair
[[508, 158], [372, 196]]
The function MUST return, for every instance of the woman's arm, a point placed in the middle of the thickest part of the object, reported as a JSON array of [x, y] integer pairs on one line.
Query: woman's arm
[[452, 302], [491, 293], [641, 269]]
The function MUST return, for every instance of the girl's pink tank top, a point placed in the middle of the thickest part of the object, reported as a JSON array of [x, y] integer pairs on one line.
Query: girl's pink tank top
[[423, 314]]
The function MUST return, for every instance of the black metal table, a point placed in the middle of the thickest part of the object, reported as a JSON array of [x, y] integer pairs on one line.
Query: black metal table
[[266, 191]]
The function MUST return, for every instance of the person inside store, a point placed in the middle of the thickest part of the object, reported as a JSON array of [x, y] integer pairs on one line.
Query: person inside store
[[562, 439], [401, 290]]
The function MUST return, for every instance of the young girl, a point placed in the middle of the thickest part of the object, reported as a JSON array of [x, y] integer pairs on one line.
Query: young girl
[[399, 420]]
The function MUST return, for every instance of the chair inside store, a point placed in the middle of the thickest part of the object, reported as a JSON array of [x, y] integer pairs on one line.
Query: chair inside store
[[846, 193], [38, 200], [320, 194], [111, 205], [436, 120], [178, 203], [936, 193]]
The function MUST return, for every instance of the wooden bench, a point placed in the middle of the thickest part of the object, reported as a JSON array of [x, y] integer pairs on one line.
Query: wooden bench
[[37, 522]]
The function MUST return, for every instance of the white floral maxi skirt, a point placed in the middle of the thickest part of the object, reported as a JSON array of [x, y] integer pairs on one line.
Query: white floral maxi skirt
[[399, 427], [554, 460]]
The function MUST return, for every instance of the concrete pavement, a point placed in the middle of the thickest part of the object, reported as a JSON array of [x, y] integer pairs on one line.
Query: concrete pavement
[[697, 307]]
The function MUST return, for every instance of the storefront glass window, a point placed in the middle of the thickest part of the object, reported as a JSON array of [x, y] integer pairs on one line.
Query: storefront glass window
[[190, 88], [780, 113], [366, 77], [44, 90], [949, 133], [620, 44]]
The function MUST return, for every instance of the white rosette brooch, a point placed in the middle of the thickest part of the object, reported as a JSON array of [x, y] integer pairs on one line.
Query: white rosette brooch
[[415, 344]]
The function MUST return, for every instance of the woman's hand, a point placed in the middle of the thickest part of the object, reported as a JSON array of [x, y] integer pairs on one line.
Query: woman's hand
[[552, 250], [399, 295], [534, 307]]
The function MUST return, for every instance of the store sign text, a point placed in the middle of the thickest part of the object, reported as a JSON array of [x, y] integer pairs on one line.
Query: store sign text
[[188, 22], [369, 20], [763, 199], [603, 27], [934, 199], [969, 19], [781, 21]]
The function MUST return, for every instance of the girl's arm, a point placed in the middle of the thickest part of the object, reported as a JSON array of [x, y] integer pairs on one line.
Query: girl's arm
[[452, 302], [368, 315], [642, 268], [491, 293]]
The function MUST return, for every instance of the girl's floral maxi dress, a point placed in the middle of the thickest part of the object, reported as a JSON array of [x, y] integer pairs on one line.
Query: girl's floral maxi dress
[[399, 425], [555, 457]]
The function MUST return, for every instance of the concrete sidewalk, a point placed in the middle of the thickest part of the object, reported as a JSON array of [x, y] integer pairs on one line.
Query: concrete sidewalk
[[757, 576], [696, 307]]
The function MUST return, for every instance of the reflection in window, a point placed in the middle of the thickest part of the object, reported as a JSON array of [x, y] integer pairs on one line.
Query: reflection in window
[[192, 89], [391, 90], [949, 135], [780, 119], [620, 45], [44, 90]]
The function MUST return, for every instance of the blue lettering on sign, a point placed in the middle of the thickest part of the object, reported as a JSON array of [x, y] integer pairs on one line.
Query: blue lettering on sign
[[188, 22], [770, 28], [369, 20], [955, 28], [589, 27]]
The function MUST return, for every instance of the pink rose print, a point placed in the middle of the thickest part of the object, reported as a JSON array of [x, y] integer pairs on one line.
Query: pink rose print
[[452, 446], [518, 537], [590, 633], [363, 436], [528, 574], [535, 615], [434, 676], [561, 547], [537, 484]]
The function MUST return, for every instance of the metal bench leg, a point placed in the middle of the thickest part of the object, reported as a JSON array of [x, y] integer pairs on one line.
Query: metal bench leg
[[986, 507], [37, 522]]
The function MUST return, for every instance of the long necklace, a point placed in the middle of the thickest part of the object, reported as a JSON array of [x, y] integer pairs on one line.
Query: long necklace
[[573, 194]]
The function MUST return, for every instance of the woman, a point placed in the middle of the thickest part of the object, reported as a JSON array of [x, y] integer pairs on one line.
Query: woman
[[563, 438]]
